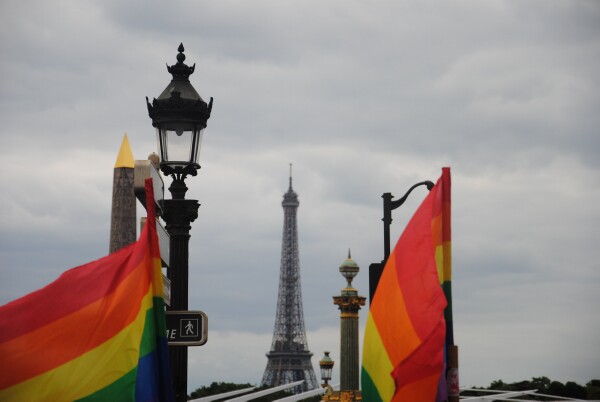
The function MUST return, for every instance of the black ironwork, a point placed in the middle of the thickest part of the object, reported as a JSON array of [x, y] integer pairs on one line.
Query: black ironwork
[[376, 269], [289, 359], [178, 216], [179, 108], [388, 206], [178, 174]]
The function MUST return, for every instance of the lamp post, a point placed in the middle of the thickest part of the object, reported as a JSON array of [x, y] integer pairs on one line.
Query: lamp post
[[376, 269], [179, 115], [349, 303], [326, 365]]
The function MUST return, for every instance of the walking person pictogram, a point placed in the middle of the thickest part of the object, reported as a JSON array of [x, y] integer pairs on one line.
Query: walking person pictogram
[[189, 328]]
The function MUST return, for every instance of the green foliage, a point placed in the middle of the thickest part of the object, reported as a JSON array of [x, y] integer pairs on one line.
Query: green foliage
[[593, 389], [557, 388], [575, 390], [544, 385], [498, 385]]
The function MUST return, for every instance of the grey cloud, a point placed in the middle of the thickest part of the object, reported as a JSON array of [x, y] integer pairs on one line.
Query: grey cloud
[[362, 100]]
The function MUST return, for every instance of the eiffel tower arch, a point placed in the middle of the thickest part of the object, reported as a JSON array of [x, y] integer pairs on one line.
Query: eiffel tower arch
[[289, 359]]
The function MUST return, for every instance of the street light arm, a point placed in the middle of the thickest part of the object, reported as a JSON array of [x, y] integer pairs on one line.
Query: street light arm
[[395, 204], [376, 269], [388, 206]]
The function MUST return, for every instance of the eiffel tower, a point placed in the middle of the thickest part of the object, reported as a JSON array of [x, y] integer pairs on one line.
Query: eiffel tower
[[289, 357]]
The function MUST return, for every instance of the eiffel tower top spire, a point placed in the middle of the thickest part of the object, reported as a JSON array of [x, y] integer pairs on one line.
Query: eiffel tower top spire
[[290, 199]]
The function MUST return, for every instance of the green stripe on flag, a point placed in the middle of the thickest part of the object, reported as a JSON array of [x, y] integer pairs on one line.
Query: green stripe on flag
[[369, 390], [121, 390]]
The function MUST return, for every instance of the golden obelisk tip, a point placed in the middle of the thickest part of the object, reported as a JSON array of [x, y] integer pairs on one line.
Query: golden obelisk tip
[[125, 158]]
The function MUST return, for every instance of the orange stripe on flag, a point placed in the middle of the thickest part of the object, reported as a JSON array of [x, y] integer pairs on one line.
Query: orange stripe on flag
[[398, 335]]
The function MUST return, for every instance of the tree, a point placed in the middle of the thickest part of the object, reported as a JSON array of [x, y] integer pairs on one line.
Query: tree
[[498, 385], [593, 389], [574, 390], [557, 388], [544, 385], [541, 384]]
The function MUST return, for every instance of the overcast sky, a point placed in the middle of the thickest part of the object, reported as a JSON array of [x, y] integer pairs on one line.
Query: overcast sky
[[362, 99]]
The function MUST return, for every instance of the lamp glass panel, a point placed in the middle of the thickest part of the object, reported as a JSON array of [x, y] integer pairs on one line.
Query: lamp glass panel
[[349, 273], [326, 372], [179, 145]]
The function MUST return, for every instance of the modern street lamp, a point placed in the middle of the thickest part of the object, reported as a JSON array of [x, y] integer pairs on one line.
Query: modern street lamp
[[179, 115], [376, 269]]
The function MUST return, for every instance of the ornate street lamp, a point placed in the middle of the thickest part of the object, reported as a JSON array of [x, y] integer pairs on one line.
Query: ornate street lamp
[[326, 365], [179, 115], [349, 270]]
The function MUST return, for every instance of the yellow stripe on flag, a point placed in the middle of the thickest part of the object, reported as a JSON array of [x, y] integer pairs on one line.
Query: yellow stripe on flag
[[443, 262], [378, 364]]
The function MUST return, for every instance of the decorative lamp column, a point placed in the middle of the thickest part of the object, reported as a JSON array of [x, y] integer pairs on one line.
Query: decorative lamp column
[[326, 365], [179, 115], [349, 303]]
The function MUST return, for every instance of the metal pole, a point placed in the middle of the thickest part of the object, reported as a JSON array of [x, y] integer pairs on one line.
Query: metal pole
[[387, 221], [178, 215]]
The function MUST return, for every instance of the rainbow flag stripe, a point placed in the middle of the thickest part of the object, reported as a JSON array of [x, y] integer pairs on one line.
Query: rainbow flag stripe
[[404, 336], [441, 227], [96, 333]]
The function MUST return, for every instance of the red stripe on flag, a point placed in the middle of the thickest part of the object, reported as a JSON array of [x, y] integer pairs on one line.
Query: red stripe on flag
[[417, 271], [71, 291]]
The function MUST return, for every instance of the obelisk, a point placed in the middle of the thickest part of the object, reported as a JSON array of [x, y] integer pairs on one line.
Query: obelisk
[[122, 217]]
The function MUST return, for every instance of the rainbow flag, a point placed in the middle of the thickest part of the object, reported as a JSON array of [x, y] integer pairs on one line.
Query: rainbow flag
[[97, 333], [404, 336]]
